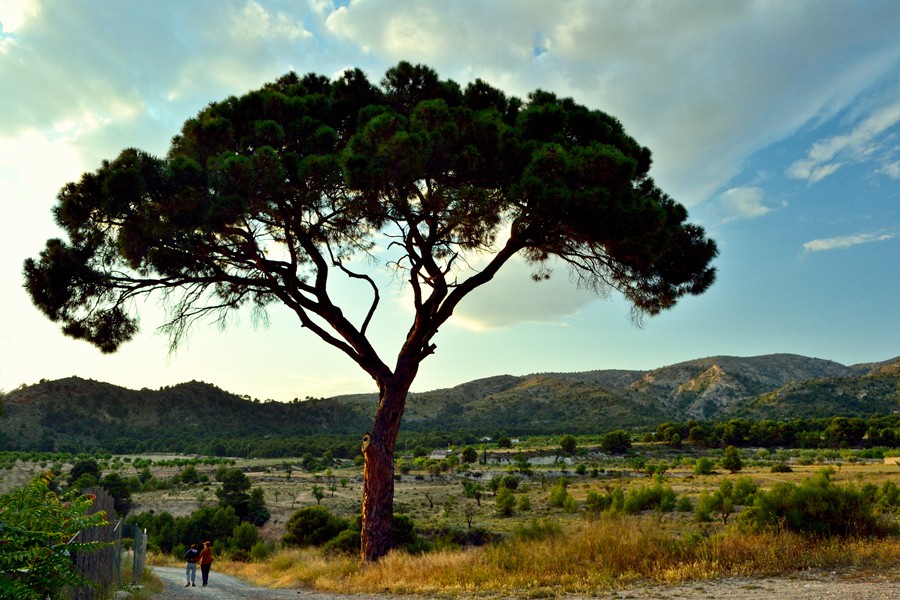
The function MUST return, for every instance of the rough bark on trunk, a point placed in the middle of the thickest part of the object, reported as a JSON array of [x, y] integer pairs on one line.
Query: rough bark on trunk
[[378, 475]]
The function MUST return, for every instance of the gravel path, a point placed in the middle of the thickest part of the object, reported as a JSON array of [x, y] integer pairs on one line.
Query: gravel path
[[822, 586], [224, 587], [812, 586]]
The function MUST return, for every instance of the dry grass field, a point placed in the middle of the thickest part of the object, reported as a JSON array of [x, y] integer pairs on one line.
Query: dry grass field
[[438, 503], [547, 550]]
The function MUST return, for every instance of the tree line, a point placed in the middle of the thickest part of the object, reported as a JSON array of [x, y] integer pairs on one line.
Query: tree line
[[831, 432]]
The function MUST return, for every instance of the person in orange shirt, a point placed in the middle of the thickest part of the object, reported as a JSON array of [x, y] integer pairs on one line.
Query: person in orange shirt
[[205, 560]]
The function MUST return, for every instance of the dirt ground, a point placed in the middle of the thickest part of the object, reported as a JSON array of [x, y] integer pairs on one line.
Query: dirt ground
[[808, 586]]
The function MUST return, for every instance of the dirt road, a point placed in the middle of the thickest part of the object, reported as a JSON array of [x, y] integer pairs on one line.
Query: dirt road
[[223, 587], [817, 586]]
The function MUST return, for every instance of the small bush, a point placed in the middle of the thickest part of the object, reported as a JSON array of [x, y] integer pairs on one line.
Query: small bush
[[510, 482], [536, 530], [261, 551], [346, 542], [743, 491], [595, 503], [816, 506], [505, 502], [781, 468], [558, 494], [312, 526], [656, 496], [703, 466], [524, 503]]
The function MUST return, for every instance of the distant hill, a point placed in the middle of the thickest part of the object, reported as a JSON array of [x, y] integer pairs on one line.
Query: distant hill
[[76, 413]]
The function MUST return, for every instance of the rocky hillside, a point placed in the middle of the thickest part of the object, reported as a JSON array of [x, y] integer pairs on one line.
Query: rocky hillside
[[79, 412]]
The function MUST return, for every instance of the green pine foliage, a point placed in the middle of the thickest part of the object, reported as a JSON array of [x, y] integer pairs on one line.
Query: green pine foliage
[[313, 526]]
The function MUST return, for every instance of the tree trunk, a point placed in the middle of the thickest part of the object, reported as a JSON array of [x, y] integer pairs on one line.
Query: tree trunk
[[378, 476]]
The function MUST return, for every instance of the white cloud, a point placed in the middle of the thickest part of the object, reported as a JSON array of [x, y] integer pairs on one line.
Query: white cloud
[[513, 297], [742, 203], [846, 241], [891, 169], [15, 13], [860, 144], [703, 85]]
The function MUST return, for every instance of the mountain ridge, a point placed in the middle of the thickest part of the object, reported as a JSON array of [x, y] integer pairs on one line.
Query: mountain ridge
[[75, 411]]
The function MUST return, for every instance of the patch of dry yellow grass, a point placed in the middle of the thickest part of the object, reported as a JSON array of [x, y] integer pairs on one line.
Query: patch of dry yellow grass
[[587, 556]]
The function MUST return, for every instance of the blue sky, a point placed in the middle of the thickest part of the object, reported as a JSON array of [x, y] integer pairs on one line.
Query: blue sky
[[776, 123]]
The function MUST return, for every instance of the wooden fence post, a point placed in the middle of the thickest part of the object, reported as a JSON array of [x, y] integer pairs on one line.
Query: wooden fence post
[[101, 566]]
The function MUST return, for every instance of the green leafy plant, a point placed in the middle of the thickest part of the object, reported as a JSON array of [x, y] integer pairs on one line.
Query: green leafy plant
[[505, 502], [313, 526], [37, 533], [816, 506]]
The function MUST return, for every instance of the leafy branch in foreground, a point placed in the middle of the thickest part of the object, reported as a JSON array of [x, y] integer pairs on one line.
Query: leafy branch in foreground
[[37, 540]]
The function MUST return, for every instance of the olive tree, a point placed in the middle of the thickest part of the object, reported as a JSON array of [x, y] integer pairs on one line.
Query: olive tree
[[272, 196]]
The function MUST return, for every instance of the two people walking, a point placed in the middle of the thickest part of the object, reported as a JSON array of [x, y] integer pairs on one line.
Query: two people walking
[[193, 557]]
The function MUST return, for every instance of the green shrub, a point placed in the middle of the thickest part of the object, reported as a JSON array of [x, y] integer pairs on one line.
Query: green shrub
[[312, 526], [505, 502], [731, 459], [781, 468], [346, 542], [684, 504], [244, 537], [558, 494], [36, 541], [743, 490], [595, 503], [657, 496], [510, 482], [816, 506], [888, 496], [616, 442], [524, 503], [703, 466], [536, 530], [262, 550]]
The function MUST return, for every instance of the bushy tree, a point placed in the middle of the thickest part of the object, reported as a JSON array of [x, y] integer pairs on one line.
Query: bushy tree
[[505, 502], [271, 196], [616, 442], [731, 459], [568, 444], [473, 489], [120, 491], [704, 466], [214, 523], [235, 491], [243, 537], [312, 526], [257, 511], [85, 473], [558, 494]]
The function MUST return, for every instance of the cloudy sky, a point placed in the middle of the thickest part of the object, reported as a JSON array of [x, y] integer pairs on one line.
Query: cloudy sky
[[776, 123]]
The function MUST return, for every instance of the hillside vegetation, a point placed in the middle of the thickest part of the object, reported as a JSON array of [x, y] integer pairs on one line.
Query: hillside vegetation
[[74, 414]]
